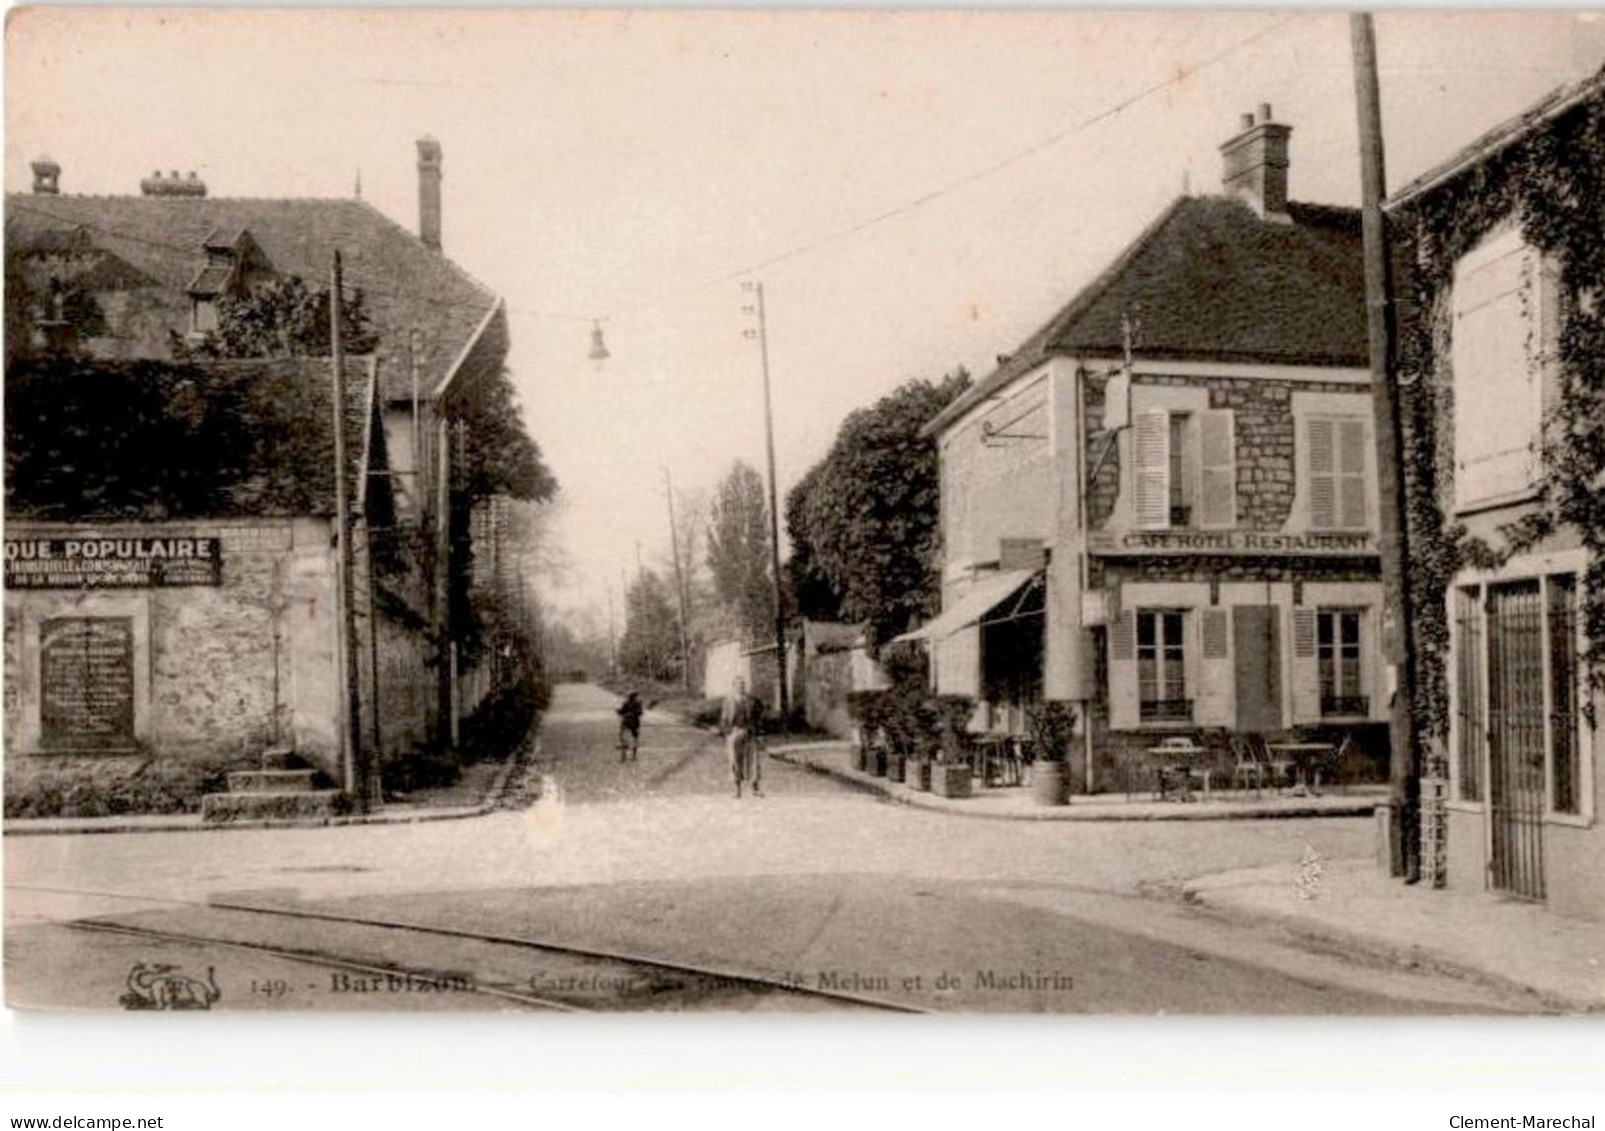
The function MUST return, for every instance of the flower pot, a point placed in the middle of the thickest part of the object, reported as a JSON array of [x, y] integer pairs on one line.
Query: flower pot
[[894, 767], [875, 763], [950, 780], [919, 775], [1050, 783]]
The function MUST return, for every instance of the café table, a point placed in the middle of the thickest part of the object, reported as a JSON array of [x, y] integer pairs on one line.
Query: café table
[[1305, 756], [1178, 760]]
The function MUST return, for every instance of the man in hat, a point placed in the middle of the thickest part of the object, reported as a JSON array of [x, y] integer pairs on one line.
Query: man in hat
[[742, 723]]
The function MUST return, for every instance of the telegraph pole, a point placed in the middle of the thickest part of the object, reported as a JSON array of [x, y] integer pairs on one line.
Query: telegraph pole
[[679, 584], [353, 768], [1398, 621], [774, 515]]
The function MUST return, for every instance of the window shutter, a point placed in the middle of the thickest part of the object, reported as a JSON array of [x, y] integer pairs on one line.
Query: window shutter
[[1351, 473], [1214, 634], [1306, 672], [1321, 468], [1152, 469], [1217, 468], [1123, 636], [1216, 695], [1124, 709], [1497, 416]]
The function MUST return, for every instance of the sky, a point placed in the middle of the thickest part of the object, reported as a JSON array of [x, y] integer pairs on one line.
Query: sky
[[916, 190]]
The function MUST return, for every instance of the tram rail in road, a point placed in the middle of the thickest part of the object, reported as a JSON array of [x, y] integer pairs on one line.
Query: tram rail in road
[[364, 954]]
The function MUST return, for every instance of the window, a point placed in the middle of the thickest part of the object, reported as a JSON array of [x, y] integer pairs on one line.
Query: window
[[1337, 653], [1161, 666], [1563, 768], [1503, 326], [1335, 465], [1184, 469]]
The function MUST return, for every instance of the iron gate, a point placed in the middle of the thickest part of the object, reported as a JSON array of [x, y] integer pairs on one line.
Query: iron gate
[[1516, 737]]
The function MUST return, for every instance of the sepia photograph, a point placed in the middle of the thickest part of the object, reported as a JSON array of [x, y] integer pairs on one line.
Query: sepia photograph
[[865, 512]]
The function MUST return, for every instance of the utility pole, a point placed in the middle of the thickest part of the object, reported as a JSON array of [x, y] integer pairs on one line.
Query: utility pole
[[679, 584], [612, 637], [353, 767], [774, 516], [1398, 620]]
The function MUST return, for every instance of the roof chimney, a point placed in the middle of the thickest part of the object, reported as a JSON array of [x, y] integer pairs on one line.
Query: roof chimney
[[1255, 165], [172, 185], [429, 192], [46, 177]]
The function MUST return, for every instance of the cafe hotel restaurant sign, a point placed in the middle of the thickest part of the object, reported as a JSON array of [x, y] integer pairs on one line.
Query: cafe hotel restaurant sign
[[112, 563], [1131, 542]]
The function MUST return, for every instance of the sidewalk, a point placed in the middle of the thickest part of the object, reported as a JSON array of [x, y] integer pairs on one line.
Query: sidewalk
[[1465, 934], [494, 782], [1014, 803]]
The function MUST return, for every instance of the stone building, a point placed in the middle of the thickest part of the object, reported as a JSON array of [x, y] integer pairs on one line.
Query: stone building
[[1511, 793], [1162, 506], [146, 274], [170, 570]]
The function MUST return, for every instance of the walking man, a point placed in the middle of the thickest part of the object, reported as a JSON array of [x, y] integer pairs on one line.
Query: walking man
[[742, 723], [630, 727]]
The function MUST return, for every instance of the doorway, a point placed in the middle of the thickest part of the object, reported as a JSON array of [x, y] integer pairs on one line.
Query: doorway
[[1257, 667]]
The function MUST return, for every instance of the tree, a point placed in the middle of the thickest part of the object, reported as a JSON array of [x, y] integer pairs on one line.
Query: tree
[[738, 550], [650, 646], [868, 514], [501, 458], [809, 592], [283, 317]]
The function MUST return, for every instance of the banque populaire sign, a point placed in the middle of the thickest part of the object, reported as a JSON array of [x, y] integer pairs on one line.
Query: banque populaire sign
[[112, 563]]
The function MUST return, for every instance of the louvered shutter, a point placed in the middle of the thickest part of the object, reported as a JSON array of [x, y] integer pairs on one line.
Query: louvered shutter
[[1124, 709], [1217, 501], [1216, 703], [1321, 468], [1351, 474], [1306, 671], [1151, 472]]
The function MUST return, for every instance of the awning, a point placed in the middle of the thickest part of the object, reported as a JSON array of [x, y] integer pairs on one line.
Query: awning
[[982, 598]]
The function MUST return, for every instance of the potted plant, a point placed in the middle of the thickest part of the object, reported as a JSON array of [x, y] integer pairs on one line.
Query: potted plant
[[951, 776], [1052, 727]]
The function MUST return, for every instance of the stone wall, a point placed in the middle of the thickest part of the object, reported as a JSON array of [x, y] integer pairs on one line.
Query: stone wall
[[220, 671]]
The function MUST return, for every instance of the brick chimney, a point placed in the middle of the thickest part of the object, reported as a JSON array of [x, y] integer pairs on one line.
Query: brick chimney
[[429, 192], [172, 185], [46, 177], [1255, 165]]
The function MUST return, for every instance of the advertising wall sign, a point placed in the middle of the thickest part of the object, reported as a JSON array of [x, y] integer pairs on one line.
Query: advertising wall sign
[[112, 563]]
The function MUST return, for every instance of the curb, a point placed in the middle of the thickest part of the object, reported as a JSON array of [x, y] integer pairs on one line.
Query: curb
[[889, 791], [494, 798], [1354, 946]]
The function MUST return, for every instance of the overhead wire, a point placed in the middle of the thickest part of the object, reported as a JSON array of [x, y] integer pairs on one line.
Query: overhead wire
[[370, 284]]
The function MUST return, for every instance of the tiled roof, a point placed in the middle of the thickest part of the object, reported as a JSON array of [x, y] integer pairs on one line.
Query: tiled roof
[[154, 440], [1210, 281], [404, 284]]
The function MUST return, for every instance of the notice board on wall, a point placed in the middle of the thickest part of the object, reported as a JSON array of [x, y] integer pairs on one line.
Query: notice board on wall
[[86, 682]]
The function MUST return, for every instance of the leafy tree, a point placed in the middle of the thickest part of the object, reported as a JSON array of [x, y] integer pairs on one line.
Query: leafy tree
[[501, 458], [283, 317], [868, 513], [738, 550], [33, 303], [650, 646], [809, 591]]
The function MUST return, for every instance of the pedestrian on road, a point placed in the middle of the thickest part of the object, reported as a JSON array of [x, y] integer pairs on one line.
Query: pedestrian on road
[[630, 727], [741, 722]]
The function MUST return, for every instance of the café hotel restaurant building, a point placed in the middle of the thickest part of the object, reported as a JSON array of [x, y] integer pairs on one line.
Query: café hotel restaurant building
[[1163, 505]]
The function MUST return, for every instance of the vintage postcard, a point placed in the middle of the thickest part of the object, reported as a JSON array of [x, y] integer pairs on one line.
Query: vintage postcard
[[881, 511]]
